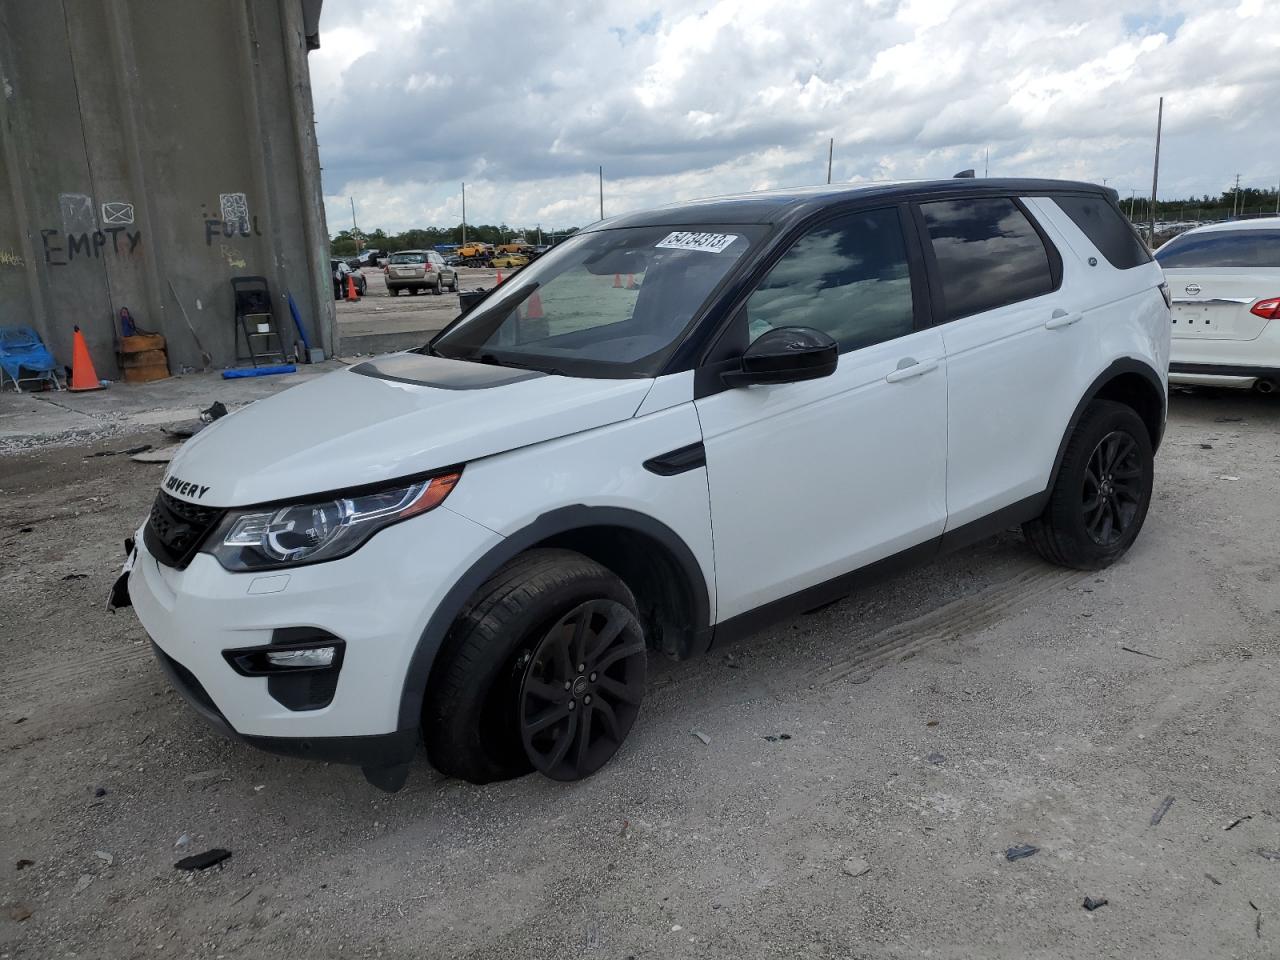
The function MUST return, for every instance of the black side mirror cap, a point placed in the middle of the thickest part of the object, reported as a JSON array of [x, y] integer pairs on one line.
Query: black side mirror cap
[[786, 355]]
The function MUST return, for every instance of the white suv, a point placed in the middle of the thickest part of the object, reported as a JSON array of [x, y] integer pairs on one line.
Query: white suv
[[1225, 282], [672, 429]]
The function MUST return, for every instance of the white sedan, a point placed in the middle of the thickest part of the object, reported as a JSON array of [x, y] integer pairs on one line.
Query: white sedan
[[1225, 282]]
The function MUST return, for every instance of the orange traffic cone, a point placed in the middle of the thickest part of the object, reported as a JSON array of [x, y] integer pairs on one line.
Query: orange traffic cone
[[499, 280], [351, 287], [631, 281], [534, 310], [83, 376], [617, 281]]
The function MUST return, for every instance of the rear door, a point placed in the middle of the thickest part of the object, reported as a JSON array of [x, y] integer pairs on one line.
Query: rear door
[[1013, 342]]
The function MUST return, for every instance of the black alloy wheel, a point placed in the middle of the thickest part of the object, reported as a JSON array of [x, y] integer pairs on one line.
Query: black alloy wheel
[[1113, 488], [581, 689]]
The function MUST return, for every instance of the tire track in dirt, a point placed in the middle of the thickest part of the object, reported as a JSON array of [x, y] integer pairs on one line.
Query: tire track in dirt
[[952, 621]]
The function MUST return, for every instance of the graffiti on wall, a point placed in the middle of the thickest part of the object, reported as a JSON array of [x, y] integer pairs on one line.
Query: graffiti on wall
[[10, 259], [77, 213], [233, 219], [61, 249], [117, 212]]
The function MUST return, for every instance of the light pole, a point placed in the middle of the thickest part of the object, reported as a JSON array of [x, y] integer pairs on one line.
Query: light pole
[[464, 213]]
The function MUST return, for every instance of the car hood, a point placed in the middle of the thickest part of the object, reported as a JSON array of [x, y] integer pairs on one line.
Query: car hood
[[386, 418]]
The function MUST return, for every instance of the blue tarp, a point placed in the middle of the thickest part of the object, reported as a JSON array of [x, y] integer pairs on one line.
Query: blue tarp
[[22, 349]]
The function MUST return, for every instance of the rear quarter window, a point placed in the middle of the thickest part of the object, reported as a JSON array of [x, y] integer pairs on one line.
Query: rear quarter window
[[1107, 229], [1222, 248]]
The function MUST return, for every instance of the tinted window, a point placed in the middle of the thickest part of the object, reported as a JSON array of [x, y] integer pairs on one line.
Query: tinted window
[[988, 254], [1106, 229], [406, 258], [1222, 248], [847, 278]]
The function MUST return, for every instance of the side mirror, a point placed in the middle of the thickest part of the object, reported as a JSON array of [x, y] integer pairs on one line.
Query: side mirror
[[786, 355]]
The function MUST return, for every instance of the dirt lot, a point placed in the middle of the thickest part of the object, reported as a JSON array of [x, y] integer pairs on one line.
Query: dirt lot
[[931, 723], [379, 313]]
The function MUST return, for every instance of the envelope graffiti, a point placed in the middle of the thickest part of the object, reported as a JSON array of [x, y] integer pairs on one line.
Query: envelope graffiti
[[117, 211]]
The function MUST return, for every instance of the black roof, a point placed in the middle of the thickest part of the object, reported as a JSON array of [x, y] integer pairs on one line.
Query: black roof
[[776, 206]]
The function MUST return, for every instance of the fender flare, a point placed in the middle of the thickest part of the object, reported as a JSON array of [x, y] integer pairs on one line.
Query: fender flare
[[1118, 367], [550, 524]]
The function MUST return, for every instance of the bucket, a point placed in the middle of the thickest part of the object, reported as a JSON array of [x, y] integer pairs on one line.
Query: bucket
[[143, 358]]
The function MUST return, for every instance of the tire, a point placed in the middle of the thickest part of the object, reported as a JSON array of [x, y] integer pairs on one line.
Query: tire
[[1089, 522], [438, 288], [492, 675], [394, 291]]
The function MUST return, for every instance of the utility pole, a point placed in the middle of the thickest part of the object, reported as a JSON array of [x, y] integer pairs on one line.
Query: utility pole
[[464, 213], [1133, 192], [986, 163], [355, 231], [1155, 175], [831, 146], [1235, 197], [1278, 199], [602, 193]]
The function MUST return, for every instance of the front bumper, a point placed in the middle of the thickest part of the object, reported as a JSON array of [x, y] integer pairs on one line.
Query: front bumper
[[376, 601]]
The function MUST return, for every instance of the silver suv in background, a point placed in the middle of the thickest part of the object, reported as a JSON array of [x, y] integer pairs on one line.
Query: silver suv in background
[[419, 270]]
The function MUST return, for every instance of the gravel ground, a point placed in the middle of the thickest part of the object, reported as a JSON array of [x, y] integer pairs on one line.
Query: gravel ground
[[867, 765]]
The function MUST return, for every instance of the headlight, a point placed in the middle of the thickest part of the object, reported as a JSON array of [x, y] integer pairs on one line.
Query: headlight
[[288, 535]]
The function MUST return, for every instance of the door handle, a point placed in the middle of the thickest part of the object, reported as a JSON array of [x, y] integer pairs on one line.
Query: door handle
[[1061, 319], [909, 367]]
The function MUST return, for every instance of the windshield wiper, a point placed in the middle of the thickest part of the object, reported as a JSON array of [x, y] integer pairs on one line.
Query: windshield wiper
[[497, 361]]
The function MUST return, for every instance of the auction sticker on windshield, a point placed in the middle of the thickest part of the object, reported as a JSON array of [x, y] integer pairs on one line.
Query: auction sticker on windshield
[[709, 242]]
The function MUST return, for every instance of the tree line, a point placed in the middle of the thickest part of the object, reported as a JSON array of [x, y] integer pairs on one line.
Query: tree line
[[344, 242]]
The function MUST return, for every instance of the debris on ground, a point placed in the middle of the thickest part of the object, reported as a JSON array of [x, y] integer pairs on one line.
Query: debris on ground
[[182, 842], [936, 758], [932, 723], [775, 737], [19, 912], [1091, 903], [1236, 822], [1161, 810], [1214, 880], [1257, 923], [161, 455], [130, 451], [215, 411], [83, 883], [203, 861], [105, 857], [1142, 653], [1021, 852], [1206, 446], [1228, 477], [99, 791], [855, 867], [76, 576], [1228, 419], [701, 736], [1268, 854], [24, 863]]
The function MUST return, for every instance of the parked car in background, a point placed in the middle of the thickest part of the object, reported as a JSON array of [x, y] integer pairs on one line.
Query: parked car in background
[[480, 543], [418, 271], [341, 269], [507, 261], [369, 258], [1225, 282]]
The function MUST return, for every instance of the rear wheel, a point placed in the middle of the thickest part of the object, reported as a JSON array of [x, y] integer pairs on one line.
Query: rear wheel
[[543, 670], [438, 288], [1100, 499], [394, 291]]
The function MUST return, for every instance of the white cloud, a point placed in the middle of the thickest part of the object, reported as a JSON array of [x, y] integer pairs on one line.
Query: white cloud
[[523, 100]]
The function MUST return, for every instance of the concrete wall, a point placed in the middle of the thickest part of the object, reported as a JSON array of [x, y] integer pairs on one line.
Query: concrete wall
[[151, 150]]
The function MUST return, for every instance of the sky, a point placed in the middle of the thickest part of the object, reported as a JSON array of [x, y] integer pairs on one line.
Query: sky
[[678, 100]]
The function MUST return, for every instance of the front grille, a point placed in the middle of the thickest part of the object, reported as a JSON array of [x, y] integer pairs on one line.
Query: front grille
[[176, 529]]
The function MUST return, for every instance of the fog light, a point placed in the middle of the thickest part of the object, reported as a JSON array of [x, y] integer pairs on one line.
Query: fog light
[[315, 657]]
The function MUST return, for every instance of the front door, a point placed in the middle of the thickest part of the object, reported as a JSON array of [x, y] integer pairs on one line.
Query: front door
[[811, 480]]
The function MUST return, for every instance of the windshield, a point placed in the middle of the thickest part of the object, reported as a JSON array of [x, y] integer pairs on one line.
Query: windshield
[[610, 303], [407, 258]]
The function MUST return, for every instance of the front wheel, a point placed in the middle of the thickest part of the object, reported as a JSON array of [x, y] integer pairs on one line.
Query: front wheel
[[394, 291], [543, 670], [1100, 499]]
